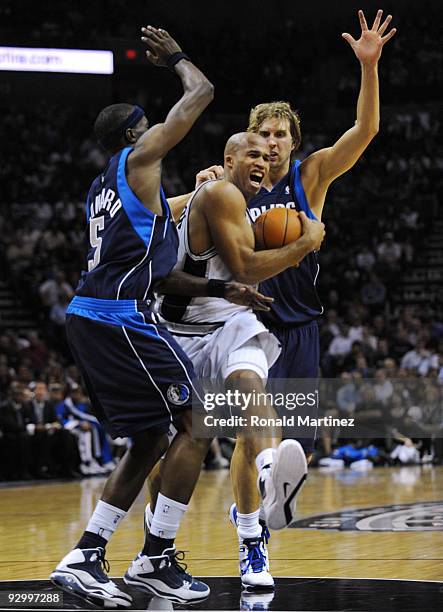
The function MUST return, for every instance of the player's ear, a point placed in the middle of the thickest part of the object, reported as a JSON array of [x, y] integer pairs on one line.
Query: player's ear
[[130, 136], [229, 161]]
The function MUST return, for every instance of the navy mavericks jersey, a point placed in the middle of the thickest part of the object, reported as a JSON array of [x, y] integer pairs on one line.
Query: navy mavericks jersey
[[130, 248], [296, 300]]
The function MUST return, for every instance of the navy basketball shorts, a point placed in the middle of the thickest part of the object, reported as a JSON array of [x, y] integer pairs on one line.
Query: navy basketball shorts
[[135, 373], [299, 358]]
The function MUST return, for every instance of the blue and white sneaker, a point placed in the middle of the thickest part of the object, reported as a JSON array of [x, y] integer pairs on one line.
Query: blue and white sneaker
[[81, 573], [165, 576], [253, 557], [280, 485]]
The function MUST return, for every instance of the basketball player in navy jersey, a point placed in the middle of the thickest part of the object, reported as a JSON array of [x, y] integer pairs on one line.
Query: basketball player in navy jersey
[[138, 378], [303, 186]]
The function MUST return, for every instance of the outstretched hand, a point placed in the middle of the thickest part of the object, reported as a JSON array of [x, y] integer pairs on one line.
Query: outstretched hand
[[245, 295], [160, 45], [370, 44]]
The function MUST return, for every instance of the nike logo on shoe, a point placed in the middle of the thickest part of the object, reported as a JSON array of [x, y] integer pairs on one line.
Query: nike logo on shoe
[[261, 484], [287, 505]]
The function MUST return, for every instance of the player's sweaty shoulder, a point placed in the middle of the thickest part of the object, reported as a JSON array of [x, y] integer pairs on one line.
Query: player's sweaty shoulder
[[221, 194]]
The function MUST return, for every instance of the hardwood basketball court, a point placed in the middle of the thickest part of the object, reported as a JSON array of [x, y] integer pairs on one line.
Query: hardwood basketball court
[[40, 522]]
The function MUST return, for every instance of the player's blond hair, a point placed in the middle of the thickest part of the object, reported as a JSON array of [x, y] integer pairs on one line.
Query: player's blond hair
[[279, 109]]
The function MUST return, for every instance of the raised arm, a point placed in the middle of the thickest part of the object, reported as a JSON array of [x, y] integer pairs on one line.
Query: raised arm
[[224, 210], [327, 164], [197, 94]]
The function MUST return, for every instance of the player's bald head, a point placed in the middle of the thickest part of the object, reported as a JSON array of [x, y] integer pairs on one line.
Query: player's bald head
[[243, 140]]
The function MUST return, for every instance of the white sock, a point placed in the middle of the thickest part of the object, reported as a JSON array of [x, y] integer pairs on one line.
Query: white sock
[[167, 517], [248, 525], [105, 519], [149, 515], [265, 458]]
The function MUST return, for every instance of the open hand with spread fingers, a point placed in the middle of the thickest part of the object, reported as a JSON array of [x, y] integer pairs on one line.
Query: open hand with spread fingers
[[160, 45], [245, 295], [370, 44]]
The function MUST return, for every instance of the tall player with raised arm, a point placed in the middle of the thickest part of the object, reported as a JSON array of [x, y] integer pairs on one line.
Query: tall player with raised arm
[[138, 378], [303, 186]]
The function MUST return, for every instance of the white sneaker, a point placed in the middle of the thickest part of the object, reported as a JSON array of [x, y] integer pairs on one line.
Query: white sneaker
[[362, 465], [84, 469], [280, 485], [81, 573], [333, 464], [165, 576], [96, 469], [253, 558]]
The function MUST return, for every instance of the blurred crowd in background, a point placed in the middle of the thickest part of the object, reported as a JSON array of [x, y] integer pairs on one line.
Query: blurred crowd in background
[[379, 218]]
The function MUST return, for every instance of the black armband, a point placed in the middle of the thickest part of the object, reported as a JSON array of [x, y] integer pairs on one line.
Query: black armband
[[175, 58], [216, 288]]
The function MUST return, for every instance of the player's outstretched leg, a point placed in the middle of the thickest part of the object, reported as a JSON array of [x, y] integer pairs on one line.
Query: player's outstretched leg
[[280, 482], [158, 568], [281, 466], [83, 571]]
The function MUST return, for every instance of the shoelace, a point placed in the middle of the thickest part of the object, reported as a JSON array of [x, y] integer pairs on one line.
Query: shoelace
[[256, 558], [265, 533], [103, 564], [176, 560]]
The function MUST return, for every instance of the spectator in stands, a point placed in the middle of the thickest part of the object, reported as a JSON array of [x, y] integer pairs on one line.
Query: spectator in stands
[[93, 446], [420, 359], [400, 344], [341, 344], [16, 460], [55, 289], [54, 450], [348, 395], [331, 324], [373, 293], [350, 361], [383, 388], [389, 252], [369, 341], [365, 259]]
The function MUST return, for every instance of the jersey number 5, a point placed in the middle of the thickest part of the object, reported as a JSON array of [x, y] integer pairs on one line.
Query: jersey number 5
[[95, 225]]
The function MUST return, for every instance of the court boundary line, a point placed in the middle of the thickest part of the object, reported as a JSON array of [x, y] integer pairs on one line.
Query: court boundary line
[[277, 577]]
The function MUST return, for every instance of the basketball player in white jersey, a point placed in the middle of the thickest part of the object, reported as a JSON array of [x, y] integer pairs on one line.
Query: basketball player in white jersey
[[228, 343]]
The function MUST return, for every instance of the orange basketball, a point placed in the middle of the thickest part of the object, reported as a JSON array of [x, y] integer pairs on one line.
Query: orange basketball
[[277, 227]]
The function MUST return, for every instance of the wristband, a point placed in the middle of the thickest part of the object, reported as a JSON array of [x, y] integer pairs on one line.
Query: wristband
[[216, 288], [175, 58]]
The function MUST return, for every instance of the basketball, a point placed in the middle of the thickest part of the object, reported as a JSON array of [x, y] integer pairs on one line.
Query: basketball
[[276, 228]]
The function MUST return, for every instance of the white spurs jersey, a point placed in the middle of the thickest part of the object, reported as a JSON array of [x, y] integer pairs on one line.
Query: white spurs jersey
[[197, 315]]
